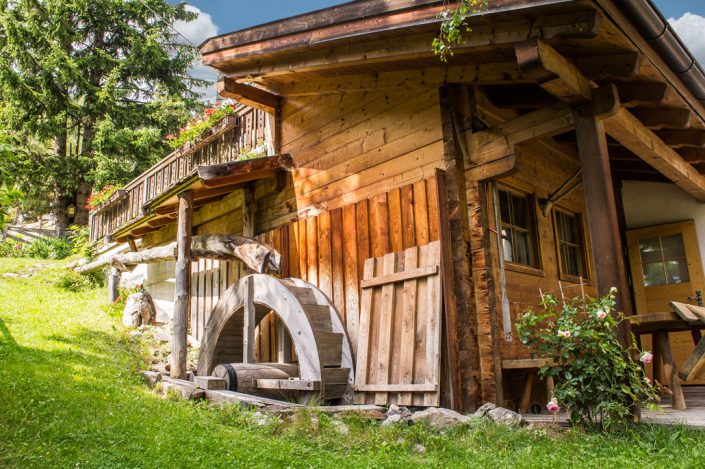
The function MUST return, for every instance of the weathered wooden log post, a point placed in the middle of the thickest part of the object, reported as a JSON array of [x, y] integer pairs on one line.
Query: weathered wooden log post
[[182, 290], [113, 284]]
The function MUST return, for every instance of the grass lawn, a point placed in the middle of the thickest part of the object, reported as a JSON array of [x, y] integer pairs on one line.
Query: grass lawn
[[70, 396]]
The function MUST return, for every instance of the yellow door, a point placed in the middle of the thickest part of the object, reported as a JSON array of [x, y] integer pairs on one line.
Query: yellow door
[[666, 266]]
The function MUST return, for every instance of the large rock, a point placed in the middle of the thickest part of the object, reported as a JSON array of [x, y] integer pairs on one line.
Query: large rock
[[139, 310], [399, 410], [505, 417], [484, 409], [440, 418]]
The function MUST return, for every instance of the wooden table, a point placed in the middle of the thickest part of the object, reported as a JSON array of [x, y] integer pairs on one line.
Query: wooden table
[[660, 325]]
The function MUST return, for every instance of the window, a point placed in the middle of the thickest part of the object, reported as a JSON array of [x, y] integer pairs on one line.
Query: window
[[518, 219], [571, 244], [663, 260]]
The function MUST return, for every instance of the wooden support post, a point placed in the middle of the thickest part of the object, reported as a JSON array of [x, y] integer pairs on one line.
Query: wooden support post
[[113, 285], [182, 288], [670, 370], [657, 362], [248, 343], [602, 212], [457, 106], [248, 213], [526, 393], [131, 242]]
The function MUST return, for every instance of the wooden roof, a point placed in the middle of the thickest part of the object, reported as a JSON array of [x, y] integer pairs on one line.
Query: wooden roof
[[372, 44]]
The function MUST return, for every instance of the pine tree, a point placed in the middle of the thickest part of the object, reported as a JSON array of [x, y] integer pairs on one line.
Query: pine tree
[[98, 84]]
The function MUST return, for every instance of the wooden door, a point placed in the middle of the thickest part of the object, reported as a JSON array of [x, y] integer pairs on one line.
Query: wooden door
[[666, 266]]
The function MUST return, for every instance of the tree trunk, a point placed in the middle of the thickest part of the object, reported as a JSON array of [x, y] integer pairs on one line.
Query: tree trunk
[[61, 201]]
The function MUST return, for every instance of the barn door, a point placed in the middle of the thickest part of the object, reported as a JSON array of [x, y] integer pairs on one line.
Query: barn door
[[666, 266], [399, 342]]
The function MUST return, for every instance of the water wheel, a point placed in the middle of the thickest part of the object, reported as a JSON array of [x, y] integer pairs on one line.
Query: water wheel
[[314, 326]]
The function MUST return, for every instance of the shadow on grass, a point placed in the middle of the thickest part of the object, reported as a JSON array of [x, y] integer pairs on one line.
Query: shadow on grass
[[7, 337]]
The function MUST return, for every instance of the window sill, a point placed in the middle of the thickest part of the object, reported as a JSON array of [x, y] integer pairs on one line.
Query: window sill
[[575, 280], [523, 269]]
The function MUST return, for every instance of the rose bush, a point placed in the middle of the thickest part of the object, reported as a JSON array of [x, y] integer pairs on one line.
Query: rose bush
[[596, 379]]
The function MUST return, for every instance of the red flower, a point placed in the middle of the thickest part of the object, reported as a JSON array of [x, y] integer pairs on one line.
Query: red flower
[[171, 137]]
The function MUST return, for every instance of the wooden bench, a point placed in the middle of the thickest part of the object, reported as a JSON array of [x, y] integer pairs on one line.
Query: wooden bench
[[529, 365]]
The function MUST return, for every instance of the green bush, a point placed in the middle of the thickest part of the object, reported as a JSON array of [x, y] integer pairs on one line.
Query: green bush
[[12, 248], [79, 237], [73, 281], [50, 248], [596, 378]]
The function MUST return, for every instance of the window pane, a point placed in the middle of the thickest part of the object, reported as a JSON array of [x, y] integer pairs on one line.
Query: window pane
[[507, 244], [568, 228], [677, 271], [504, 206], [570, 256], [524, 254], [654, 274], [673, 247], [520, 211], [650, 250]]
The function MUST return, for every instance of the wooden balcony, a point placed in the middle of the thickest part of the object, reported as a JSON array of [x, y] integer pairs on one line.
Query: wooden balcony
[[222, 144]]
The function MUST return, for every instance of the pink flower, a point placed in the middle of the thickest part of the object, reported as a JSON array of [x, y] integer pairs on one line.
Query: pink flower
[[553, 406], [566, 334], [646, 357], [648, 381], [601, 314]]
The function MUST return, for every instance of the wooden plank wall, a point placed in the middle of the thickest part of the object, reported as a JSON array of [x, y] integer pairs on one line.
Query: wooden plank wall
[[348, 147], [329, 250]]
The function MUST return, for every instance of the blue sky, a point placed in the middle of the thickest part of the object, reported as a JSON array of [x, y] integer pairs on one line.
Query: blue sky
[[223, 16]]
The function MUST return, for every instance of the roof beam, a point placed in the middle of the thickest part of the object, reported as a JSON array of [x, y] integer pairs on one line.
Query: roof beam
[[663, 118], [562, 79], [498, 142], [249, 95], [635, 93], [683, 138]]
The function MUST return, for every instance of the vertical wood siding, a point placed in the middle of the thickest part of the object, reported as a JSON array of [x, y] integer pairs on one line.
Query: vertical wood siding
[[328, 250]]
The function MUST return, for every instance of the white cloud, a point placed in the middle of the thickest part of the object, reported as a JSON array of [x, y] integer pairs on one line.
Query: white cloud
[[691, 29], [196, 32]]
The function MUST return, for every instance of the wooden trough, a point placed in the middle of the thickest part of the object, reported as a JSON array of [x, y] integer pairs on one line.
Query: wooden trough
[[324, 364]]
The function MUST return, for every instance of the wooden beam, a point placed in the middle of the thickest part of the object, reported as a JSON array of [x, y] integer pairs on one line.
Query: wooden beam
[[662, 118], [498, 142], [553, 72], [236, 172], [692, 155], [683, 138], [182, 287], [249, 95], [631, 133], [562, 79], [255, 255], [608, 67], [603, 222], [639, 92]]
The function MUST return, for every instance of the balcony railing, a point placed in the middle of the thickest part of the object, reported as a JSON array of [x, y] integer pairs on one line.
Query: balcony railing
[[223, 143]]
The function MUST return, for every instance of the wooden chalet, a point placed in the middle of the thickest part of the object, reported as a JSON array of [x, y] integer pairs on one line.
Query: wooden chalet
[[560, 149]]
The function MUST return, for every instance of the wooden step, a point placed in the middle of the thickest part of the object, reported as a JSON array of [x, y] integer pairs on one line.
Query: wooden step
[[319, 317], [336, 375], [304, 295], [330, 348]]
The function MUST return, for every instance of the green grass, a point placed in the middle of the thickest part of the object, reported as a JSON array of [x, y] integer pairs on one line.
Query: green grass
[[70, 396]]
